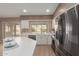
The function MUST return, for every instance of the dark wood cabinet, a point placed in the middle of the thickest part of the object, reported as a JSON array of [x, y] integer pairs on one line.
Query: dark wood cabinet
[[72, 27], [77, 12], [61, 29], [68, 28]]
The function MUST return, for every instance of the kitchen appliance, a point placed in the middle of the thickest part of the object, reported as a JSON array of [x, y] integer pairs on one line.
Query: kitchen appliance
[[32, 37]]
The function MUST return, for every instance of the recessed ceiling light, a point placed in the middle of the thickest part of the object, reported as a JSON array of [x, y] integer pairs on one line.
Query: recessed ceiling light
[[47, 10], [24, 10]]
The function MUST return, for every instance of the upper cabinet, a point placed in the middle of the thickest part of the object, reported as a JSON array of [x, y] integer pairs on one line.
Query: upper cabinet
[[24, 24]]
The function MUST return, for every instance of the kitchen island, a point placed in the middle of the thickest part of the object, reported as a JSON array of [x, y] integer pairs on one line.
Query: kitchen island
[[25, 47]]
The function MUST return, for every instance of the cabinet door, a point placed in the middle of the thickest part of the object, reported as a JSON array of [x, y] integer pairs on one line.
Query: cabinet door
[[44, 39], [38, 39], [49, 40], [77, 10], [73, 31], [73, 23]]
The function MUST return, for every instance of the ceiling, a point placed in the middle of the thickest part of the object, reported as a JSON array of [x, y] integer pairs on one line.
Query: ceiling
[[16, 9]]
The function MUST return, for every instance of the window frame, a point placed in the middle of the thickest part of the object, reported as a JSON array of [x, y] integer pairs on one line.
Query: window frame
[[41, 28]]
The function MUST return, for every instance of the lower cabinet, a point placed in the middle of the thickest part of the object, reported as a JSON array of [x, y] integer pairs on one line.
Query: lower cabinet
[[43, 39], [38, 39], [49, 39]]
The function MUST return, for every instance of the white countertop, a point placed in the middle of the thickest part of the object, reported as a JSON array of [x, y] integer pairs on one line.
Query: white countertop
[[25, 47]]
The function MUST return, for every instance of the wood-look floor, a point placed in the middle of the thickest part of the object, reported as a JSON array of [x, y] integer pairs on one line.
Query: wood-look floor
[[1, 49], [43, 50]]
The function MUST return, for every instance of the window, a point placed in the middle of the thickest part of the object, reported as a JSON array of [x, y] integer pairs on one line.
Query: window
[[44, 28], [39, 28], [33, 27], [11, 30], [18, 32], [7, 28]]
